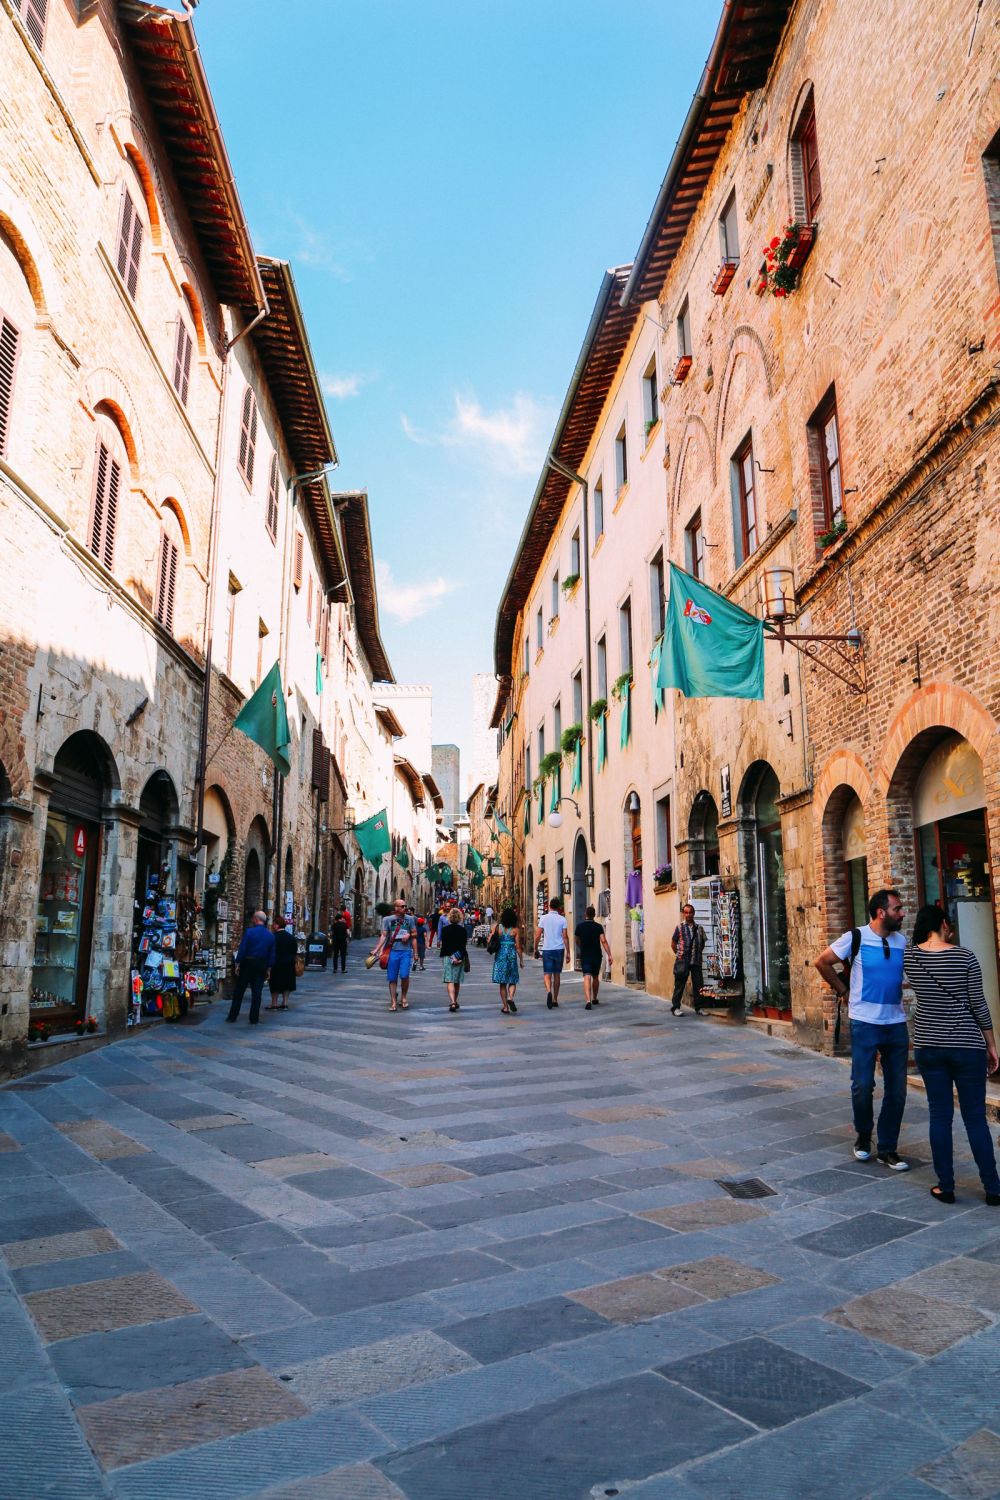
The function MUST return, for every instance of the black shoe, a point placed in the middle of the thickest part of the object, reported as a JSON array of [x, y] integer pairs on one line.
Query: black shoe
[[549, 1001], [893, 1162], [596, 1001], [587, 1006], [993, 1200], [863, 1148], [512, 1007], [675, 1010]]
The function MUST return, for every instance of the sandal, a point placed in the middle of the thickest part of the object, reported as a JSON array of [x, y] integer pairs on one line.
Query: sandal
[[942, 1194], [404, 1005], [453, 1006], [512, 1007], [393, 1007]]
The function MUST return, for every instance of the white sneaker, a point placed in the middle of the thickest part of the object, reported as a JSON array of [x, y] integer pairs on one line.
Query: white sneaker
[[862, 1149], [893, 1162]]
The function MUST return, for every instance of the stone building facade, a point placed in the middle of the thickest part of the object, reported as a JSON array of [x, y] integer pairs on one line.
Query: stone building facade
[[830, 452]]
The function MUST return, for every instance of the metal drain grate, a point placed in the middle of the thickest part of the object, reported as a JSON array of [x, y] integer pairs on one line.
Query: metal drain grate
[[750, 1187]]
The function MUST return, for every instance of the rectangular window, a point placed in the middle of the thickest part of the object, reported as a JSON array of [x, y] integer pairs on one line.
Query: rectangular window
[[578, 698], [527, 765], [555, 596], [657, 595], [694, 547], [650, 397], [297, 561], [234, 590], [574, 554], [729, 238], [248, 436], [104, 516], [541, 744], [621, 460], [812, 190], [664, 841], [271, 514], [129, 243], [166, 583], [33, 15], [527, 655], [598, 509], [556, 724], [745, 496], [602, 667], [825, 453], [9, 342], [183, 347], [539, 630], [684, 330], [625, 635], [991, 177]]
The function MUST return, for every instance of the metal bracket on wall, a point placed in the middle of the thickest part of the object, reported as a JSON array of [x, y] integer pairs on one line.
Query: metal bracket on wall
[[847, 653]]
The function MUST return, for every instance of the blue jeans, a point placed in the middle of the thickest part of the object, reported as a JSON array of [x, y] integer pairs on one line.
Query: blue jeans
[[892, 1044], [944, 1069]]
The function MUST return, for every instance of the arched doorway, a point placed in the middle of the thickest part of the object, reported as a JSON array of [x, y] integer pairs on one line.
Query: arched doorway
[[845, 858], [67, 896], [529, 911], [952, 849], [580, 892], [157, 811], [255, 879], [766, 948], [703, 837], [360, 913], [635, 955], [287, 905]]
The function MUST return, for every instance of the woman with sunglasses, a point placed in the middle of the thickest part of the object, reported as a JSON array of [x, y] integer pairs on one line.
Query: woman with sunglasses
[[954, 1047]]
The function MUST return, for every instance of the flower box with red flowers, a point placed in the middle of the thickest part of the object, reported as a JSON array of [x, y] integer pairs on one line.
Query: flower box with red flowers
[[784, 257], [799, 253], [723, 277], [681, 368]]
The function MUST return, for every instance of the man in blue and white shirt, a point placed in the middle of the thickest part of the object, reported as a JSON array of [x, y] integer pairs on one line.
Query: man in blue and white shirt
[[878, 1023]]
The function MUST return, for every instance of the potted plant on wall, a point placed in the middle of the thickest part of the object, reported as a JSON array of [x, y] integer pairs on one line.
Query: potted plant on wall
[[622, 685], [784, 257], [836, 531], [598, 709], [569, 583], [663, 876], [549, 765]]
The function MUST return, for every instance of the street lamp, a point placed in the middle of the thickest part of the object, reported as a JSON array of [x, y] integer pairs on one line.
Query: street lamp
[[555, 816]]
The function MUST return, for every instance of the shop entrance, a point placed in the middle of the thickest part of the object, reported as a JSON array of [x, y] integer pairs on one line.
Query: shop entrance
[[953, 865], [67, 895], [766, 855]]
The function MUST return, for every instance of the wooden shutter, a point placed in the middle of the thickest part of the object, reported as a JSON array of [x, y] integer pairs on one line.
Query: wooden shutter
[[248, 435], [9, 341], [129, 243], [107, 485], [297, 562], [33, 16], [166, 583], [326, 631], [182, 362], [271, 519]]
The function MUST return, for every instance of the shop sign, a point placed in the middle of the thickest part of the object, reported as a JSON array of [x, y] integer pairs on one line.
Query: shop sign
[[80, 841]]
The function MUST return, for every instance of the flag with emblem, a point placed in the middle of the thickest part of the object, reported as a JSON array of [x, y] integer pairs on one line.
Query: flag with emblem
[[711, 647], [373, 837], [264, 720]]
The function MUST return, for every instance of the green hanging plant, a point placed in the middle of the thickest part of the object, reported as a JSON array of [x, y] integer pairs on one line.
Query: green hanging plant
[[598, 709], [622, 683], [549, 765], [570, 582], [571, 737]]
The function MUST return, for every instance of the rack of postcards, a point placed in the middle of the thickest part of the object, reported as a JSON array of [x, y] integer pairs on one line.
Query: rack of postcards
[[171, 969], [717, 909]]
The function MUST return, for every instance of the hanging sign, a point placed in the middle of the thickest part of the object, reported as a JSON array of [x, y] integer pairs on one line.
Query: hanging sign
[[80, 841], [496, 867]]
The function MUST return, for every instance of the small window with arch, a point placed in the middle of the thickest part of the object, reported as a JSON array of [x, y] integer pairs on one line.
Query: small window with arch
[[130, 233], [271, 513], [33, 13], [183, 350], [167, 573], [109, 468], [248, 436], [807, 187]]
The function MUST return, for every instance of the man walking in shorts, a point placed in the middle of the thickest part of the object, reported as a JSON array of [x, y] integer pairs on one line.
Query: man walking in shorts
[[592, 942], [399, 935], [553, 936]]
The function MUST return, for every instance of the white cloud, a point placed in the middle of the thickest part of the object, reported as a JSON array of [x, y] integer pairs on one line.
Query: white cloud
[[407, 601], [513, 436], [342, 387], [312, 248]]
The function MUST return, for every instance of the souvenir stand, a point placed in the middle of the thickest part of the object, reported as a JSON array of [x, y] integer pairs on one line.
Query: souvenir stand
[[717, 910], [170, 967]]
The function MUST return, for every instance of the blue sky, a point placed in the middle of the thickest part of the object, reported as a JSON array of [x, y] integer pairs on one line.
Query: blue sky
[[449, 182]]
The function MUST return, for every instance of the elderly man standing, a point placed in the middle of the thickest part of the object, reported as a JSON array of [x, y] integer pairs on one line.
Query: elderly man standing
[[254, 960], [399, 935]]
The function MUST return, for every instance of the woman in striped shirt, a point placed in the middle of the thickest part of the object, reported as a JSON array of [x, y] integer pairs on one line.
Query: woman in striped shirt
[[953, 1046]]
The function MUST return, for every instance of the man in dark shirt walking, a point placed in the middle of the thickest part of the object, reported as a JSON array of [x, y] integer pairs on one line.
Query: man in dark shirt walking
[[591, 940], [254, 959]]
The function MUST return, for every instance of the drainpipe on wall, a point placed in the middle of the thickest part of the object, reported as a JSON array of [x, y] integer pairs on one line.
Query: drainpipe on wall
[[567, 473]]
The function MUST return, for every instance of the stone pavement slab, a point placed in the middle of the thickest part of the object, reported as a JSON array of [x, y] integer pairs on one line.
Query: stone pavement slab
[[384, 1257]]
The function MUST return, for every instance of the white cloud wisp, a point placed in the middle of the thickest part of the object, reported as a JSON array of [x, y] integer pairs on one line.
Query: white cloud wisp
[[511, 436], [407, 601]]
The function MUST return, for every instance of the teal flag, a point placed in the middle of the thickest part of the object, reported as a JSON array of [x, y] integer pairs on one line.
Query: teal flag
[[577, 781], [711, 648], [319, 673], [626, 713], [554, 799], [498, 820], [541, 802], [264, 720], [474, 861], [373, 838], [659, 698], [602, 742], [403, 857], [527, 811]]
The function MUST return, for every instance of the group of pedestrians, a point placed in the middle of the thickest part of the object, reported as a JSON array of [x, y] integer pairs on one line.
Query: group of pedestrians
[[952, 1035]]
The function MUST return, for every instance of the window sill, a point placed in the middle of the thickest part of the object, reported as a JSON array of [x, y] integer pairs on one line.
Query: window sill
[[597, 545], [668, 885], [572, 593], [553, 624], [620, 499], [539, 654], [651, 437]]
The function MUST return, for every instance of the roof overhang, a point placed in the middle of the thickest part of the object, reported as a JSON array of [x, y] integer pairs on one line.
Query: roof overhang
[[352, 507], [432, 787], [169, 63], [408, 773], [603, 346], [744, 48], [389, 722]]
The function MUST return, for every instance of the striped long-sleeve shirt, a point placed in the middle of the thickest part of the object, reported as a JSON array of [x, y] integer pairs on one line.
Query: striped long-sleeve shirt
[[951, 1008]]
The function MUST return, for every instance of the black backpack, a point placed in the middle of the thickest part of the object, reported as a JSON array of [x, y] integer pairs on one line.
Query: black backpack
[[855, 950]]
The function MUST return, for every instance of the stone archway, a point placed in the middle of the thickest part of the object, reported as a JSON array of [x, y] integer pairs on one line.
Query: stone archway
[[703, 837]]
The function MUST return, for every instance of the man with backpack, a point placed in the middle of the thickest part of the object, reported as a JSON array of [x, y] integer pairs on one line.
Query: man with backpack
[[878, 1022]]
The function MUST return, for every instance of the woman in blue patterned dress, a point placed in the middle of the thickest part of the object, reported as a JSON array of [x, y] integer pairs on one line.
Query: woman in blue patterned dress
[[508, 959]]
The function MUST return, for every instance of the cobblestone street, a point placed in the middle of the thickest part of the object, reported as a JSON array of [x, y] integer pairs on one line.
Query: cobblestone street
[[361, 1255]]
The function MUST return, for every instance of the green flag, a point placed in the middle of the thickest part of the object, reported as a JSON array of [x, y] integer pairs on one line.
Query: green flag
[[263, 719], [541, 801], [527, 811], [556, 789], [577, 781], [626, 713], [474, 861], [602, 742], [373, 838], [711, 648], [403, 857], [498, 820], [654, 667], [319, 673]]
